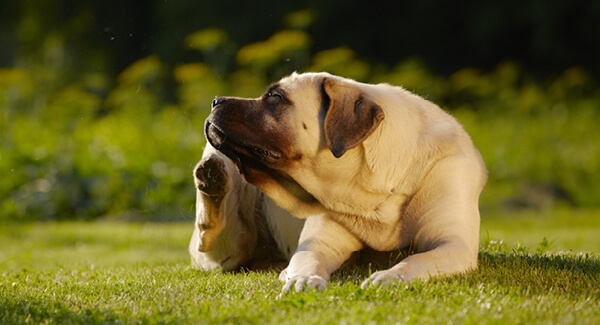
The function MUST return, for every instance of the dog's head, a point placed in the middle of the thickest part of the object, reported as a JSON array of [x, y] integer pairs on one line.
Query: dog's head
[[302, 119]]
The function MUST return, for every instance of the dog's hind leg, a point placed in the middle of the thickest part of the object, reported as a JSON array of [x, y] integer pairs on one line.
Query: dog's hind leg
[[213, 183], [446, 218]]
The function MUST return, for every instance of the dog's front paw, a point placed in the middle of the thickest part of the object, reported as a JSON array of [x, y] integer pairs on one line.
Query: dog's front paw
[[383, 278], [301, 282]]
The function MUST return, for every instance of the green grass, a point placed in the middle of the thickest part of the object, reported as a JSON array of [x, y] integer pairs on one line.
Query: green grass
[[47, 246], [575, 230], [105, 272]]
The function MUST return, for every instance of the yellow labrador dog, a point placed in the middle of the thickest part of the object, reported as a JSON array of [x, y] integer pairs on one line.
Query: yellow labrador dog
[[367, 166]]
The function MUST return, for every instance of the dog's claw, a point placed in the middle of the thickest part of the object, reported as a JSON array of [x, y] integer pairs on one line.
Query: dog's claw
[[304, 282], [383, 278]]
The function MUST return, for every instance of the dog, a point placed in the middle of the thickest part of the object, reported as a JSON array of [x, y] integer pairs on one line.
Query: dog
[[237, 226], [366, 166]]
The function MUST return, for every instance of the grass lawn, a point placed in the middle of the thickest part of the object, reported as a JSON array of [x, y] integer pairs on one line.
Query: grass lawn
[[107, 272], [564, 229]]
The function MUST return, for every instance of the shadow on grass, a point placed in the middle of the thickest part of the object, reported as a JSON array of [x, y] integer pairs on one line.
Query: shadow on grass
[[541, 273]]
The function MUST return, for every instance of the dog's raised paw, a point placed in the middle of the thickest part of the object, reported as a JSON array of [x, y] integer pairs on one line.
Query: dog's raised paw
[[211, 176]]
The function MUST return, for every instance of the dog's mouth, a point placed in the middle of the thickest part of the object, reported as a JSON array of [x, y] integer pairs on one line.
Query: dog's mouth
[[250, 157], [242, 153]]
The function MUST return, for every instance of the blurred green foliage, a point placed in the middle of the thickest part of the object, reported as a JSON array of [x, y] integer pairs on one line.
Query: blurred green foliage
[[89, 146]]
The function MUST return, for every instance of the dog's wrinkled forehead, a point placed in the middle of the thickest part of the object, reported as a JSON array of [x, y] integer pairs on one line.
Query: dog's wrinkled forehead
[[304, 90], [298, 83]]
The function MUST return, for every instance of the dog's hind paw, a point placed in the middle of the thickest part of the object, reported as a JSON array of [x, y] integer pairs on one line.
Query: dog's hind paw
[[211, 176]]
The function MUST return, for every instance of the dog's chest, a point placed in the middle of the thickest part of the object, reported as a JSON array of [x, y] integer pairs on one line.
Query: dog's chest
[[382, 226]]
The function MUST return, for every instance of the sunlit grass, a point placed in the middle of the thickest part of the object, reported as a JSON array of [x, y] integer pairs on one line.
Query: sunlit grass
[[576, 230], [49, 245], [508, 288], [92, 273]]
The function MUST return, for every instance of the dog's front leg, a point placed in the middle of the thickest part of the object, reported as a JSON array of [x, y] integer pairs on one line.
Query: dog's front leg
[[324, 245]]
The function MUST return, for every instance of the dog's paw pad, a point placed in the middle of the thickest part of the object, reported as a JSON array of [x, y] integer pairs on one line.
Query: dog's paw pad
[[211, 176]]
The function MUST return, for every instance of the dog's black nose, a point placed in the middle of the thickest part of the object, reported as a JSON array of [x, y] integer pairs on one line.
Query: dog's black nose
[[217, 101]]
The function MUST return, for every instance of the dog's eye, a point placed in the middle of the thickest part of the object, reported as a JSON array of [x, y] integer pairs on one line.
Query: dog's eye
[[275, 96]]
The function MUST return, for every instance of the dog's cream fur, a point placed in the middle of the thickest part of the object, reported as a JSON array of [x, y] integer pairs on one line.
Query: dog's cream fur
[[379, 167]]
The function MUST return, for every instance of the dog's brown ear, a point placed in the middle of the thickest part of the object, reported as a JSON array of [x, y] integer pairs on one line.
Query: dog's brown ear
[[351, 117]]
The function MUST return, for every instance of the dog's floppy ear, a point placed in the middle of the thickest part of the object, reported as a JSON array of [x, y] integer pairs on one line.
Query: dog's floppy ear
[[351, 117]]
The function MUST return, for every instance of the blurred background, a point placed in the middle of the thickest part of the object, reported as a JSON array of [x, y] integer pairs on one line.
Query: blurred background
[[102, 103]]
